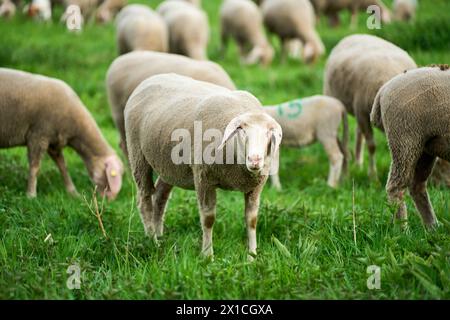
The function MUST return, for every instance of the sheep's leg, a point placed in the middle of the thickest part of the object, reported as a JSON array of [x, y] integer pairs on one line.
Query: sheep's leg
[[58, 157], [251, 218], [333, 20], [160, 197], [206, 197], [142, 173], [284, 50], [418, 189], [367, 131], [401, 173], [354, 19], [359, 151], [336, 159], [36, 150], [275, 180]]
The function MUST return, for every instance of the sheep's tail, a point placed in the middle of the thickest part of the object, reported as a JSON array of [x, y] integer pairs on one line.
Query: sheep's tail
[[344, 144], [375, 115]]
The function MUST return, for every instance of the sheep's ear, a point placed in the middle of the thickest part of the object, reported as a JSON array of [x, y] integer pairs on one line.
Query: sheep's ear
[[231, 129], [275, 141], [114, 170]]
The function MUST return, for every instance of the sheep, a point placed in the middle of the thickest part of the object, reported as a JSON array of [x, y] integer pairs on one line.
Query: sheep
[[45, 115], [356, 69], [140, 28], [40, 9], [7, 9], [331, 8], [108, 10], [404, 10], [153, 123], [242, 20], [188, 28], [311, 119], [413, 109], [127, 71], [294, 19]]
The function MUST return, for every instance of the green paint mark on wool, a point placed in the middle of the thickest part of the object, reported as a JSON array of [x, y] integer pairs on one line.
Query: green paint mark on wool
[[291, 109]]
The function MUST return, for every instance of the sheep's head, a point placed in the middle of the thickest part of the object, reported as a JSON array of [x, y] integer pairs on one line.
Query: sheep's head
[[263, 53], [262, 136], [103, 15], [107, 175], [39, 9]]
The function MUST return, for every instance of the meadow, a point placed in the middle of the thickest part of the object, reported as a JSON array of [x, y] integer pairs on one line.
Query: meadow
[[313, 242]]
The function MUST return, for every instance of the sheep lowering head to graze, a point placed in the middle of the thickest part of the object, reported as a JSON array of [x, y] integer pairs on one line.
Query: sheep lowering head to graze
[[45, 115], [311, 119], [140, 28], [127, 71], [242, 20], [164, 113], [405, 10], [294, 19], [414, 111], [39, 9], [108, 10], [188, 28], [356, 69], [7, 9]]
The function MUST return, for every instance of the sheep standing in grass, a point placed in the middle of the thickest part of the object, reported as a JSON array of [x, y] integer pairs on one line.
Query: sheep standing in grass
[[414, 110], [404, 10], [7, 9], [140, 28], [46, 115], [127, 71], [242, 20], [294, 19], [356, 69], [307, 120], [108, 10], [188, 28], [163, 105]]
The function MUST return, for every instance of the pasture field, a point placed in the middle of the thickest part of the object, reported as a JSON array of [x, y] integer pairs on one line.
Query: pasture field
[[305, 233]]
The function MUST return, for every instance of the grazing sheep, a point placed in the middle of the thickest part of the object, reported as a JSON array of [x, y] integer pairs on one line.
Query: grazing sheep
[[414, 110], [108, 10], [153, 121], [311, 119], [39, 9], [331, 8], [294, 19], [7, 9], [140, 28], [188, 28], [242, 20], [356, 69], [127, 71], [404, 10], [46, 115]]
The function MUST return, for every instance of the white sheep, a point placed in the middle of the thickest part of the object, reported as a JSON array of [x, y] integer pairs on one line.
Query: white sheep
[[164, 108], [242, 20], [39, 9], [140, 28], [45, 115], [356, 69], [311, 119], [188, 28], [7, 9], [127, 71], [413, 109], [404, 10]]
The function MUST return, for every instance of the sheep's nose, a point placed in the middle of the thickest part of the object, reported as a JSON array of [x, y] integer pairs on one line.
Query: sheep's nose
[[254, 162]]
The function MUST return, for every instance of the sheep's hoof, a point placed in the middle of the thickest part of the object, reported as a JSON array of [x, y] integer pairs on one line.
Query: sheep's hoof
[[73, 193], [251, 257], [31, 195], [433, 225]]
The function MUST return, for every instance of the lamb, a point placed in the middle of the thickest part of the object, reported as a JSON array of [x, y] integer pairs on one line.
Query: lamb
[[188, 28], [356, 69], [140, 28], [404, 10], [242, 20], [311, 119], [294, 19], [331, 8], [127, 71], [153, 125], [108, 10], [45, 115], [414, 110], [7, 9]]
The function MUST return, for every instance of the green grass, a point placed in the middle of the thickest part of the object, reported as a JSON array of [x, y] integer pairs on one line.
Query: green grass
[[305, 234]]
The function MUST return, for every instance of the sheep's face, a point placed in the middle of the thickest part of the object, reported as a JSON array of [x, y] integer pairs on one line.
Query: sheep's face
[[103, 15], [262, 136], [107, 176]]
